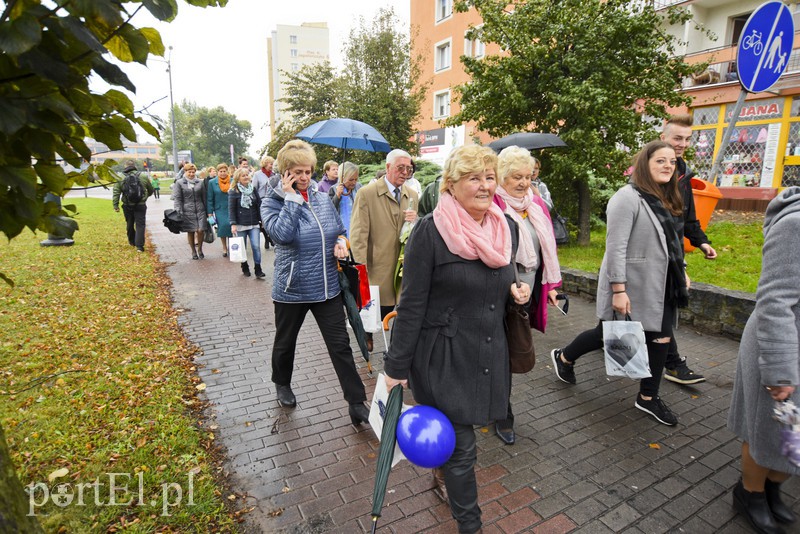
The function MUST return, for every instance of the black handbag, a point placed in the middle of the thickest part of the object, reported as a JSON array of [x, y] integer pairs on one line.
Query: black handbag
[[173, 221], [208, 236], [518, 333], [560, 228]]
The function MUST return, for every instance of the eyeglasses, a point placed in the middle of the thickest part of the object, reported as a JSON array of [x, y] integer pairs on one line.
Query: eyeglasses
[[405, 169]]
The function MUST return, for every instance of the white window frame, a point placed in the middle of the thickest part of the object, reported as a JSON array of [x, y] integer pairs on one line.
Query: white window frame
[[292, 39], [436, 96], [293, 52], [440, 16], [437, 66], [474, 47]]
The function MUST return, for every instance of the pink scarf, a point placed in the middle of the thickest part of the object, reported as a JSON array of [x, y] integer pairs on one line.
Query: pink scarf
[[526, 255], [489, 241]]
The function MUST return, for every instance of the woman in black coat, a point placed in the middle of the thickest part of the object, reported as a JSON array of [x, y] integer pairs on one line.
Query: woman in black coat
[[449, 343]]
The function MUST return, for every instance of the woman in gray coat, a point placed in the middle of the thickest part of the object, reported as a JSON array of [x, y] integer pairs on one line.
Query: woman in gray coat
[[189, 197], [768, 369], [449, 343], [642, 271]]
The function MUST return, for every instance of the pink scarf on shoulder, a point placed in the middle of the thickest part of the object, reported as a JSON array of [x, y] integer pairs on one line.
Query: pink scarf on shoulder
[[526, 255], [489, 241]]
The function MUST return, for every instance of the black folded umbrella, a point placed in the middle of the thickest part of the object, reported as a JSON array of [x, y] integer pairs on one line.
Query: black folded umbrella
[[529, 140], [351, 307]]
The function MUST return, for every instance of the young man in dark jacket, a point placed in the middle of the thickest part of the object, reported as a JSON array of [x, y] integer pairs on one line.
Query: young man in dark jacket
[[678, 133], [135, 212]]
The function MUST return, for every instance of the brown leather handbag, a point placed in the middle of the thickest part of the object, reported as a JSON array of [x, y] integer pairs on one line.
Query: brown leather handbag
[[518, 332]]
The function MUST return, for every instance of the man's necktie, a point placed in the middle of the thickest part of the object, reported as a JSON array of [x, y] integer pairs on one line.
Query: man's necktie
[[397, 195]]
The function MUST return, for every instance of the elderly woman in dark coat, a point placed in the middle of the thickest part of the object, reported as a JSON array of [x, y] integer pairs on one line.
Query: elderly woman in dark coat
[[768, 370], [189, 197], [308, 236], [448, 343]]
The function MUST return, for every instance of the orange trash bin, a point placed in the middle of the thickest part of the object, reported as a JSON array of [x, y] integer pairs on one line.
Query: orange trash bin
[[706, 196]]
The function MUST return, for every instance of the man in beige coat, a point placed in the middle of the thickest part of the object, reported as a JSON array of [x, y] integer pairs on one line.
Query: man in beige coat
[[379, 212]]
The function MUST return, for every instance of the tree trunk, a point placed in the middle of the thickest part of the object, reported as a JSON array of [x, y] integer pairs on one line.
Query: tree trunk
[[584, 212], [14, 516]]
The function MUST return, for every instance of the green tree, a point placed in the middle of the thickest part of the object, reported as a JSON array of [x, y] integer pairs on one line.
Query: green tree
[[599, 73], [207, 132], [382, 79], [379, 86], [47, 109]]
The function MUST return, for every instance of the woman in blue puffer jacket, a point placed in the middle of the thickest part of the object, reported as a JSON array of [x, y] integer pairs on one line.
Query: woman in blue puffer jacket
[[308, 234]]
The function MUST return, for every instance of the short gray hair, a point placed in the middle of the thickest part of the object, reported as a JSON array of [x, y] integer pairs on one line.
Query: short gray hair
[[392, 156]]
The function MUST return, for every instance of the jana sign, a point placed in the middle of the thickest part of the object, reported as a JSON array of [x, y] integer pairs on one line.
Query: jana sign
[[765, 46]]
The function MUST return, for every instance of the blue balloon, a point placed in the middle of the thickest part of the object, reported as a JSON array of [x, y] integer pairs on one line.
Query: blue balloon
[[426, 436]]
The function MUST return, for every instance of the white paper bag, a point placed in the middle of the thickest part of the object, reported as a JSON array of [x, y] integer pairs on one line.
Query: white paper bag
[[236, 251], [625, 349], [371, 313], [379, 399]]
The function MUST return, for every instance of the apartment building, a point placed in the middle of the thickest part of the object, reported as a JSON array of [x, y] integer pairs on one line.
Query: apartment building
[[288, 50], [441, 41], [135, 151]]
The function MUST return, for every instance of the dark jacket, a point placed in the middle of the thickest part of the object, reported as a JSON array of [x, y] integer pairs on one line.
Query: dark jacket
[[305, 234], [449, 339], [117, 191], [239, 215], [429, 197], [691, 229]]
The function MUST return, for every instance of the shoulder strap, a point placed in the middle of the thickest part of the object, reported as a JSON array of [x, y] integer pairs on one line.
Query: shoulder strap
[[512, 225]]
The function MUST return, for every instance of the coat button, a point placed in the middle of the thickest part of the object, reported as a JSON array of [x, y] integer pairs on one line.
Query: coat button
[[486, 371], [494, 273], [491, 307], [488, 339]]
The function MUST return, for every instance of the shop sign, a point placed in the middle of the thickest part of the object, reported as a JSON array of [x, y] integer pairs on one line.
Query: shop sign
[[758, 110]]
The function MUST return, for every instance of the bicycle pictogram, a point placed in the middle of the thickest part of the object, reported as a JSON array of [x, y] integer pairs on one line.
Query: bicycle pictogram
[[753, 41]]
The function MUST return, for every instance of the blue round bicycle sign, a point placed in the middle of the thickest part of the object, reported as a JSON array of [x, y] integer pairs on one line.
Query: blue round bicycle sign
[[765, 46]]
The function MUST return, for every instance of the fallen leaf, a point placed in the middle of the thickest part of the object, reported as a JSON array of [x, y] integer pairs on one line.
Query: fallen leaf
[[58, 473], [248, 423], [286, 489], [200, 387], [231, 497], [655, 446]]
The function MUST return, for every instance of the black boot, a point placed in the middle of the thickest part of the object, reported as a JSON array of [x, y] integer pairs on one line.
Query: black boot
[[259, 272], [358, 413], [245, 269], [753, 506], [781, 512]]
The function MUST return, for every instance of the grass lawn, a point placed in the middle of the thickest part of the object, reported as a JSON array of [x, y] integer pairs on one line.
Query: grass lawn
[[96, 378], [738, 263]]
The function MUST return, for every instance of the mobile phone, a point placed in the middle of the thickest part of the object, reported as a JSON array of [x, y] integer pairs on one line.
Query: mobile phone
[[565, 298]]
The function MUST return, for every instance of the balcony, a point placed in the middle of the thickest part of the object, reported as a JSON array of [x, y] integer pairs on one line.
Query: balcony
[[722, 66]]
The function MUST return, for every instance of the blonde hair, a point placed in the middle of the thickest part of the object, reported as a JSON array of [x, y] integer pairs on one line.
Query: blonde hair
[[221, 166], [465, 160], [237, 176], [266, 159], [328, 164], [510, 160], [295, 153], [348, 169], [188, 166]]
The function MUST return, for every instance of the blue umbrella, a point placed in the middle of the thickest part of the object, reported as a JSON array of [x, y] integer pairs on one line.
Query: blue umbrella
[[346, 134]]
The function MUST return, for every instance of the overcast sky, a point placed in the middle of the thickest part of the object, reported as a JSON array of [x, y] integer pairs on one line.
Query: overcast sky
[[219, 55]]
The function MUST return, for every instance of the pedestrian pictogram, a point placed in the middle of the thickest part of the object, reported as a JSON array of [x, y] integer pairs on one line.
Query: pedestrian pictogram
[[765, 47]]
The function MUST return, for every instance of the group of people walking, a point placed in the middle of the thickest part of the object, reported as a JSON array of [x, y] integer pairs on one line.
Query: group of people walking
[[449, 342]]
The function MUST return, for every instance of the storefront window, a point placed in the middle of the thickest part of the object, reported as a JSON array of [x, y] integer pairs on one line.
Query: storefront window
[[791, 176], [703, 116], [796, 106], [703, 142], [744, 157]]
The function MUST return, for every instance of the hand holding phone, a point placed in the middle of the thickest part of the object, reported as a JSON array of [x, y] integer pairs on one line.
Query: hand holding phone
[[288, 182]]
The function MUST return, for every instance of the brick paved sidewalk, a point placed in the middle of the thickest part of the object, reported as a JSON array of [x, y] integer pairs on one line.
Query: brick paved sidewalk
[[585, 459]]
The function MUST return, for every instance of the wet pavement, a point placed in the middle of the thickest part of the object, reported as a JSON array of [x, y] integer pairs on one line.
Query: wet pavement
[[585, 459]]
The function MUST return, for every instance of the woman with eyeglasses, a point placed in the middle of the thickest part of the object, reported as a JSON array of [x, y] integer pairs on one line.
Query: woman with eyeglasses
[[343, 194]]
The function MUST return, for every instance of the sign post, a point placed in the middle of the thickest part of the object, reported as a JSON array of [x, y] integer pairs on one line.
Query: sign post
[[761, 58]]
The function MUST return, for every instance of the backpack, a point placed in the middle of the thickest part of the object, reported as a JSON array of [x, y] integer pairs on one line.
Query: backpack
[[132, 189]]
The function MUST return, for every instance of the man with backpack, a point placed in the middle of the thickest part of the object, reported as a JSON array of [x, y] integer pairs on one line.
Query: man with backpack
[[134, 188]]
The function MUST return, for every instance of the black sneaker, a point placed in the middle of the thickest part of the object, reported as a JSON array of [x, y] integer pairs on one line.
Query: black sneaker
[[564, 372], [657, 409], [683, 375]]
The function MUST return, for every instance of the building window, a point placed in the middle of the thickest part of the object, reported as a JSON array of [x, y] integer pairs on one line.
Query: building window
[[292, 39], [293, 52], [444, 8], [474, 47], [442, 56], [441, 104], [295, 67]]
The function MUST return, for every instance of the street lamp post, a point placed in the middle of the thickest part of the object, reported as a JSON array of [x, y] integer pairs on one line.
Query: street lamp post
[[172, 115]]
